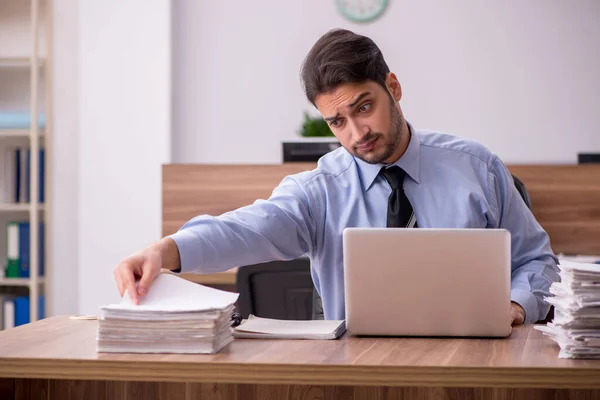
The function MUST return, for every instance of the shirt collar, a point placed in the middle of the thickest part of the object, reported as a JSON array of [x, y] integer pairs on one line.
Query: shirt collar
[[409, 162]]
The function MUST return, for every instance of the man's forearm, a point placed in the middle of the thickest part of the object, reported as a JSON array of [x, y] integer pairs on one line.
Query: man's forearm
[[530, 284], [169, 253]]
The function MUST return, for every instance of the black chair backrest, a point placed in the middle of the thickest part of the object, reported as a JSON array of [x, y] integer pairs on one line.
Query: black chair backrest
[[277, 289], [522, 191]]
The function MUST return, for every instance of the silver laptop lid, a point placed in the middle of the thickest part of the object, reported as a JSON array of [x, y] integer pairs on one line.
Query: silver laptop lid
[[427, 282]]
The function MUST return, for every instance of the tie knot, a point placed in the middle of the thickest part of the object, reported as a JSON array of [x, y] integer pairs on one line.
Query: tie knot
[[394, 175]]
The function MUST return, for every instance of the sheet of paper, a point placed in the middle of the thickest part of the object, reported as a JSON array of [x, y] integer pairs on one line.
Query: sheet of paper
[[171, 293], [590, 259], [579, 266]]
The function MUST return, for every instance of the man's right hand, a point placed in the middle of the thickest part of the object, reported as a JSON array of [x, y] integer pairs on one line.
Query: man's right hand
[[144, 266]]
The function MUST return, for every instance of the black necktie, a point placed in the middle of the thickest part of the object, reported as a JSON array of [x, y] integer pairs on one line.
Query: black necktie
[[400, 212]]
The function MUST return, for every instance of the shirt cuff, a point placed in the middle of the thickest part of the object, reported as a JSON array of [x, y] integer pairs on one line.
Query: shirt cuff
[[527, 300], [188, 245]]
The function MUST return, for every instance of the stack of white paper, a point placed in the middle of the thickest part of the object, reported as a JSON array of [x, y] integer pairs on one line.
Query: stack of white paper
[[175, 316], [576, 300]]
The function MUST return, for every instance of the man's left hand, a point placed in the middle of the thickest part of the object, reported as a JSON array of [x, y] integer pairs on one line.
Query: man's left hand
[[517, 314]]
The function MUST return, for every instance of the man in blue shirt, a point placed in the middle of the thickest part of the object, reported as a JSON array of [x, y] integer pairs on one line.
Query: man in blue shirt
[[451, 182]]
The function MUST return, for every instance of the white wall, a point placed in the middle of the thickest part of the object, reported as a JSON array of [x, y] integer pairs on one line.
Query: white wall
[[125, 100], [115, 141], [63, 238], [521, 77]]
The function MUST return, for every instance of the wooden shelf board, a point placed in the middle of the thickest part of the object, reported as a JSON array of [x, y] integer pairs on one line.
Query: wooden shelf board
[[18, 62], [18, 133], [18, 207], [18, 281]]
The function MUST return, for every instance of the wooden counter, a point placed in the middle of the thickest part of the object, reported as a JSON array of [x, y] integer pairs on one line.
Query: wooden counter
[[565, 200], [56, 359]]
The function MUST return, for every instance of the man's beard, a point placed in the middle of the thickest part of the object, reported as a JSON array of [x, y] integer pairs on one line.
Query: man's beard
[[396, 121]]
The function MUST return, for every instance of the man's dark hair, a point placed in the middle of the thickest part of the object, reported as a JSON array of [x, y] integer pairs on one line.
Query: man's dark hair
[[341, 56]]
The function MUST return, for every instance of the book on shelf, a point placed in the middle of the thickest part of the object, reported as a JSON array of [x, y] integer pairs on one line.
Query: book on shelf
[[18, 254], [20, 120], [17, 175]]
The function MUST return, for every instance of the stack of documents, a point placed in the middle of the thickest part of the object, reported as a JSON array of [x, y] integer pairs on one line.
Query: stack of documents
[[175, 316], [267, 328], [576, 300]]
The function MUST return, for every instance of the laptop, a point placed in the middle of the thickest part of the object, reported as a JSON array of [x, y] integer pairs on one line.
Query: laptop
[[427, 282]]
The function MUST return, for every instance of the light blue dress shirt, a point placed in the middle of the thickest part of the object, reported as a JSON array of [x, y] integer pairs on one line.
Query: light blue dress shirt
[[451, 182]]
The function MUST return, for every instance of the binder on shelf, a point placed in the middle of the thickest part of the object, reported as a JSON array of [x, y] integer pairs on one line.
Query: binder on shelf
[[9, 183], [17, 175], [12, 250], [19, 250], [22, 314], [41, 173], [24, 249], [8, 312], [41, 249], [12, 312], [21, 174]]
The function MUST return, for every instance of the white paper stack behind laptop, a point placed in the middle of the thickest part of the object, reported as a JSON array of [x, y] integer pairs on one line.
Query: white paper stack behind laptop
[[576, 300], [175, 316]]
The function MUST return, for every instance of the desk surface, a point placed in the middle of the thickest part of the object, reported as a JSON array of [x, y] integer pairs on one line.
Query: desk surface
[[62, 348]]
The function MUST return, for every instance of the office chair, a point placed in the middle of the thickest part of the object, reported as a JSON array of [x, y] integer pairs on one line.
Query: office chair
[[277, 289], [522, 191]]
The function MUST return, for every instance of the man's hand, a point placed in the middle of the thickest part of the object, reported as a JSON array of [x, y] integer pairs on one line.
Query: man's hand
[[144, 266], [517, 314]]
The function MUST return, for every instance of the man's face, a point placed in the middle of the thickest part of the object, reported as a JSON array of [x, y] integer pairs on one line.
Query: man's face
[[365, 119]]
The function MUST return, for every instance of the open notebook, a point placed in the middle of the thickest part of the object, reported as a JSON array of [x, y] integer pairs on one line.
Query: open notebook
[[267, 328]]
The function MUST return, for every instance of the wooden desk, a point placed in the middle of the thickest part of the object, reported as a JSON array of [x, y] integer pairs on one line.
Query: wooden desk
[[56, 359]]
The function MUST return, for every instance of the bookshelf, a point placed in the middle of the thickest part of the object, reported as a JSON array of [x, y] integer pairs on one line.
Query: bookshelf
[[25, 127]]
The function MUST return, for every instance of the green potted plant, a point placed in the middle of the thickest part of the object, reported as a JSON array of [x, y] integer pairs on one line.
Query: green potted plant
[[315, 127]]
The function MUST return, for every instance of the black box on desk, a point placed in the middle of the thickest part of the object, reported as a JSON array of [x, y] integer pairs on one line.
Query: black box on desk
[[588, 158], [307, 149]]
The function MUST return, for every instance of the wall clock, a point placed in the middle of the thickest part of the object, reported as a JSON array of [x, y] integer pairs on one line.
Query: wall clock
[[361, 10]]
